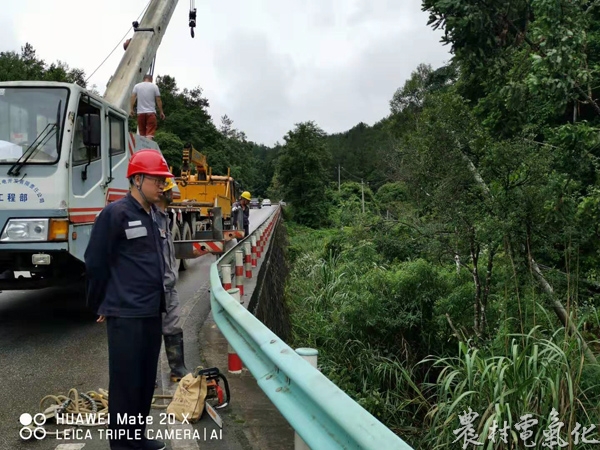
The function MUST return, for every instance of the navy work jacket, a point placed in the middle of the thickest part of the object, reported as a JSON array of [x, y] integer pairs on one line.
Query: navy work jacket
[[125, 268]]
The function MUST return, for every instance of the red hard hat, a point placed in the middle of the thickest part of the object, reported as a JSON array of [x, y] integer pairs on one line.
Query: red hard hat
[[148, 162]]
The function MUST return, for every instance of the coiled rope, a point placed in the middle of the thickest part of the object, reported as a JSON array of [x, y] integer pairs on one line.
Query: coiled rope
[[87, 409]]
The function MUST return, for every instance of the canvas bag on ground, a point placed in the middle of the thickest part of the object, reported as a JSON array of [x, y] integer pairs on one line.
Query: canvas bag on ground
[[188, 401]]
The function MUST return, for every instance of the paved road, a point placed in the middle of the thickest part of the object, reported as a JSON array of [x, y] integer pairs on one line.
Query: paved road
[[49, 344]]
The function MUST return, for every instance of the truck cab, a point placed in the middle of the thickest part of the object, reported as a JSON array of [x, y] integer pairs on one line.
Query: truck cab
[[63, 156]]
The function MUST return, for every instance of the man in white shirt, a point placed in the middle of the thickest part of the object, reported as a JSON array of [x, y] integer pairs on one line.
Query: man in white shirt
[[148, 97]]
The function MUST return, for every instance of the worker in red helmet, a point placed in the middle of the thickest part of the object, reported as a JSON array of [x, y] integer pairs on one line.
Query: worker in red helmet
[[125, 272]]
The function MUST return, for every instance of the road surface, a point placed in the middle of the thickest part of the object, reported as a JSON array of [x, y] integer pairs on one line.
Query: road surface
[[49, 343]]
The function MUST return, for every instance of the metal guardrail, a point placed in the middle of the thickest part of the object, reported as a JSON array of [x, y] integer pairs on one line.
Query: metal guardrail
[[322, 414]]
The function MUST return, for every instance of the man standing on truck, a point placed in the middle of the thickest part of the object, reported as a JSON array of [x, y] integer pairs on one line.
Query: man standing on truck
[[148, 97], [125, 272], [171, 319], [241, 207]]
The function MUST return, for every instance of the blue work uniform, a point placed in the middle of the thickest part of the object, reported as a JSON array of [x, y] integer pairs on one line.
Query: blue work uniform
[[124, 267], [125, 273]]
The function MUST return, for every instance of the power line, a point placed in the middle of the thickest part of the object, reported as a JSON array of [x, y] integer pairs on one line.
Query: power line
[[369, 183], [351, 174], [118, 43]]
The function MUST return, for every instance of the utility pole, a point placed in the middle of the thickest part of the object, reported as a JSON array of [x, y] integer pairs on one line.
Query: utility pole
[[339, 178], [362, 186]]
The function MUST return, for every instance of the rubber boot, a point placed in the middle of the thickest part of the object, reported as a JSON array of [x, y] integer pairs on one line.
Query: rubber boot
[[174, 348]]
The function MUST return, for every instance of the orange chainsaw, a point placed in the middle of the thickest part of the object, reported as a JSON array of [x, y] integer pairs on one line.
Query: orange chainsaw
[[217, 396]]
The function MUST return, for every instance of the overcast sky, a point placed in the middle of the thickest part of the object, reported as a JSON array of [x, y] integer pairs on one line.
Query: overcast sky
[[267, 64]]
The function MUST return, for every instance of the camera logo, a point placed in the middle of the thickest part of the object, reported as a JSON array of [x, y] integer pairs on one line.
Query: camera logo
[[27, 432]]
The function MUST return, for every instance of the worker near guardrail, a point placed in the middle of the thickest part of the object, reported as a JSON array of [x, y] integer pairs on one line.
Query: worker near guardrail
[[148, 98], [241, 207], [125, 272], [171, 320]]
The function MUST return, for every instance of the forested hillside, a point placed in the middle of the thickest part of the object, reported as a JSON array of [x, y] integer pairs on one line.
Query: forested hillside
[[471, 278]]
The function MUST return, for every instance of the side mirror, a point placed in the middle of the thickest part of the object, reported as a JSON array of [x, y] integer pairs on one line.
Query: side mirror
[[91, 130]]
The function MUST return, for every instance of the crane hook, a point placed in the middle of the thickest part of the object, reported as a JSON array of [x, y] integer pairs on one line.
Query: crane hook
[[192, 21]]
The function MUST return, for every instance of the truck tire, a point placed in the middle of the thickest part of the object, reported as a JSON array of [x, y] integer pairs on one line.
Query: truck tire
[[186, 235], [176, 237]]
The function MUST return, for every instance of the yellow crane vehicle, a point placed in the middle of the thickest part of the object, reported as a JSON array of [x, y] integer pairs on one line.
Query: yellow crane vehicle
[[201, 210]]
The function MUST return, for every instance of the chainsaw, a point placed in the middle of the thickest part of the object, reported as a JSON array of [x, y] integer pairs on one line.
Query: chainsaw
[[217, 396]]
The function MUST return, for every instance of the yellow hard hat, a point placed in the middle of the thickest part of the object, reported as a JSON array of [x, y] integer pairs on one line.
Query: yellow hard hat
[[246, 195], [169, 185]]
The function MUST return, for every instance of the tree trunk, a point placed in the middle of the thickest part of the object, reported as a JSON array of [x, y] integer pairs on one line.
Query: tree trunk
[[475, 173], [560, 311], [486, 292], [477, 281]]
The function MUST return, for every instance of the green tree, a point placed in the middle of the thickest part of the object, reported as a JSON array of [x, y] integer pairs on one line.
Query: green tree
[[27, 66], [171, 147], [301, 171]]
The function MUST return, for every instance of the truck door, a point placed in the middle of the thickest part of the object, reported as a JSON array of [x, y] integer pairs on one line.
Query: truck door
[[86, 161], [87, 196], [116, 163]]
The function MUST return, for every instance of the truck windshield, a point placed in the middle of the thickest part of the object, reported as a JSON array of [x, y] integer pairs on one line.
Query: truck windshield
[[31, 115]]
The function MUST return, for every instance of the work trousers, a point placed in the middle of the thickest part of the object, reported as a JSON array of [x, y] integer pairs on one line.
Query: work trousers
[[147, 124], [171, 320], [133, 351]]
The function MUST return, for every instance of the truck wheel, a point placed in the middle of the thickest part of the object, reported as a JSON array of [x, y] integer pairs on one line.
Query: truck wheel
[[176, 237], [186, 235]]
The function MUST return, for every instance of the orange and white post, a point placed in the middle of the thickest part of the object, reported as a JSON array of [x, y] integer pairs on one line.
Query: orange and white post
[[259, 242], [248, 259], [253, 243], [239, 271], [233, 360], [226, 275]]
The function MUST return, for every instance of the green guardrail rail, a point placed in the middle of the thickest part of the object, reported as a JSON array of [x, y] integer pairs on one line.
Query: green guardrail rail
[[323, 415]]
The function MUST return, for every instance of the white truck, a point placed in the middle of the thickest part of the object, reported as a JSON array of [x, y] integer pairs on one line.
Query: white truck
[[63, 156]]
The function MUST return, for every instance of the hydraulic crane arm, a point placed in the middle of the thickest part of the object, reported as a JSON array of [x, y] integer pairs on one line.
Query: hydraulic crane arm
[[140, 52]]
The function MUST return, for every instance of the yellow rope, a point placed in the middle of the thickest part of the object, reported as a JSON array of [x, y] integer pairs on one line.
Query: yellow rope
[[77, 404]]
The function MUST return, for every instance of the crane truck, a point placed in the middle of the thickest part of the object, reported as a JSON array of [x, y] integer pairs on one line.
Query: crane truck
[[203, 208], [64, 153]]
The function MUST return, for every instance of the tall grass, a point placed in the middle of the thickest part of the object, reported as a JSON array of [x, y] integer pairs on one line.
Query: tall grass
[[368, 321], [536, 376]]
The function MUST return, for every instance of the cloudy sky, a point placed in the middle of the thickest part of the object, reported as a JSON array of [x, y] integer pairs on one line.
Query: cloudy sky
[[267, 64]]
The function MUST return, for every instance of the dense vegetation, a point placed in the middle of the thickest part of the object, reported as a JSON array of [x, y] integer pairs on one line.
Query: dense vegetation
[[471, 279]]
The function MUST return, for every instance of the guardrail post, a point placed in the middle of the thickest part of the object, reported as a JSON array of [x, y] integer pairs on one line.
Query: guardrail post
[[259, 242], [226, 275], [239, 271], [233, 360], [253, 241], [310, 355], [248, 259], [263, 239]]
